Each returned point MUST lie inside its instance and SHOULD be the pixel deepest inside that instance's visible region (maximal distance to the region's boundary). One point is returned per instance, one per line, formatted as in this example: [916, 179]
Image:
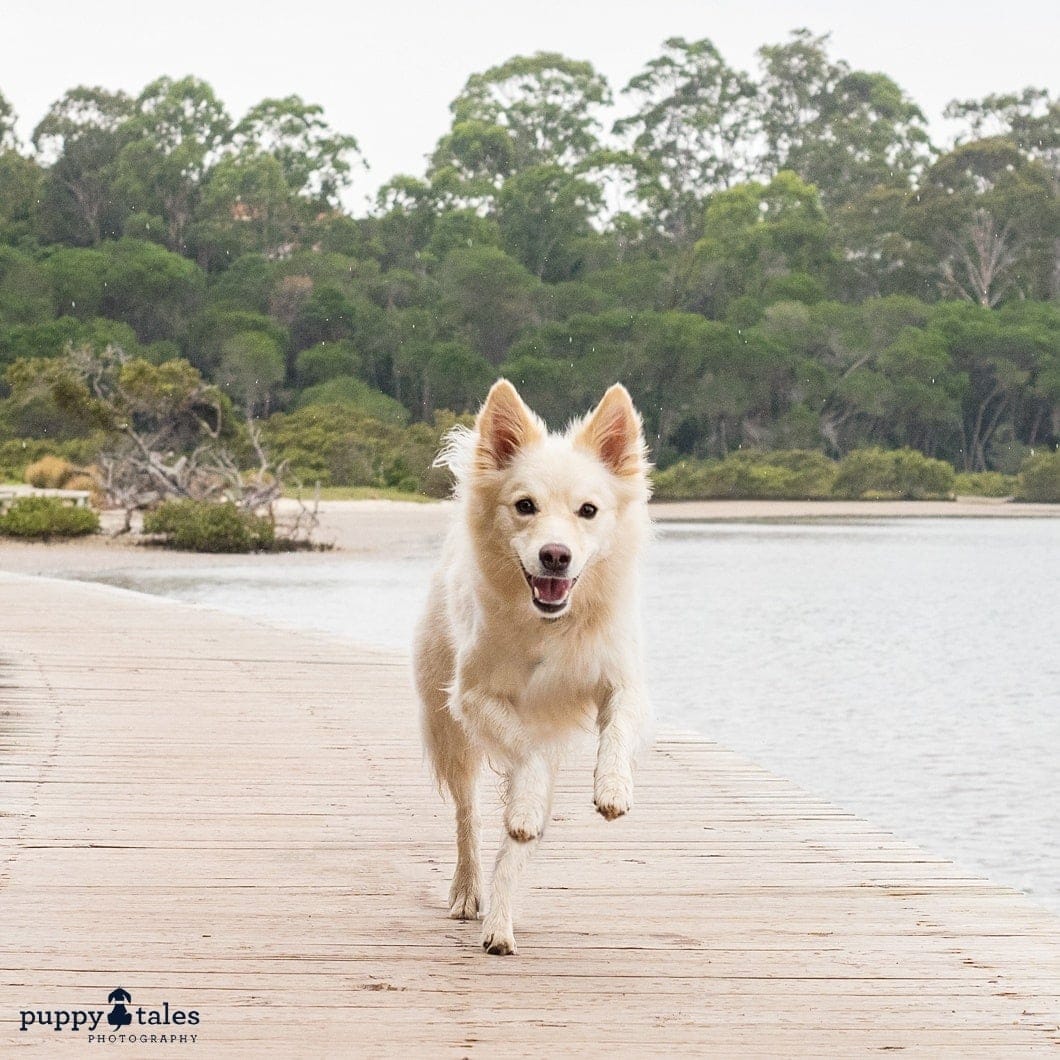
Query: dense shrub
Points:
[354, 395]
[336, 445]
[16, 454]
[81, 481]
[328, 360]
[47, 517]
[898, 473]
[1039, 478]
[801, 474]
[787, 474]
[50, 472]
[204, 526]
[985, 484]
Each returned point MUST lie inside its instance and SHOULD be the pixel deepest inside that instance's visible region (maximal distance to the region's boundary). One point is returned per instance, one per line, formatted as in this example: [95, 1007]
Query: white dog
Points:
[532, 627]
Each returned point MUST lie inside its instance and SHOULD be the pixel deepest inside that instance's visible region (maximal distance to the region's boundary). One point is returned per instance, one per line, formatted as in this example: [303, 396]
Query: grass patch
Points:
[357, 493]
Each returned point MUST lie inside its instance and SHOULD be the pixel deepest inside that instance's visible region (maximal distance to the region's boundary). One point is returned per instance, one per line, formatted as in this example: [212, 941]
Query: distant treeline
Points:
[770, 260]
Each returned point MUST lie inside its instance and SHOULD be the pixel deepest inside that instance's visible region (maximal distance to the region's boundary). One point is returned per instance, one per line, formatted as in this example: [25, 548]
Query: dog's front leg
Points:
[622, 720]
[528, 797]
[527, 805]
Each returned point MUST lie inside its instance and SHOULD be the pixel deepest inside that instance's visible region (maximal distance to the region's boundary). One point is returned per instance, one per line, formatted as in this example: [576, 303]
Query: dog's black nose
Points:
[555, 558]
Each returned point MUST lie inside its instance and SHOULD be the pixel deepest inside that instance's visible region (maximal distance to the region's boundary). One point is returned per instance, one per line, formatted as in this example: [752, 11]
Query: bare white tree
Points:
[980, 266]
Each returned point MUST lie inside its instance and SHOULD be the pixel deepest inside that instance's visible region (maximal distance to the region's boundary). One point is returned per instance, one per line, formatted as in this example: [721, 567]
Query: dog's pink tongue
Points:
[551, 590]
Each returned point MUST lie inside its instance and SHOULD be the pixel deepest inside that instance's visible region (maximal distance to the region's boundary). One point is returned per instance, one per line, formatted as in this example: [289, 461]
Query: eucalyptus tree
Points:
[846, 131]
[487, 298]
[179, 131]
[244, 206]
[21, 189]
[79, 140]
[1031, 120]
[317, 162]
[547, 106]
[691, 130]
[543, 215]
[8, 136]
[763, 243]
[992, 216]
[251, 371]
[541, 110]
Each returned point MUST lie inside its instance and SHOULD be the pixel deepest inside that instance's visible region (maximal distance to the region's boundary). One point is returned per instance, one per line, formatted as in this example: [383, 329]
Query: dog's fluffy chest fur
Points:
[549, 676]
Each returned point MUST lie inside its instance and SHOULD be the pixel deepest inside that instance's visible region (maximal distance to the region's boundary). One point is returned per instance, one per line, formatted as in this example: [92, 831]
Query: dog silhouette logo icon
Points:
[119, 1016]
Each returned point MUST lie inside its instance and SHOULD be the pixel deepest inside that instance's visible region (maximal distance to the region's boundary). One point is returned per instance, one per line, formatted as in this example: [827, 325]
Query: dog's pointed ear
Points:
[504, 426]
[613, 432]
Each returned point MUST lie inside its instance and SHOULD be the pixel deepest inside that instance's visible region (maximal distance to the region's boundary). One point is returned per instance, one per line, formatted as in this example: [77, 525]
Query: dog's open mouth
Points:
[550, 594]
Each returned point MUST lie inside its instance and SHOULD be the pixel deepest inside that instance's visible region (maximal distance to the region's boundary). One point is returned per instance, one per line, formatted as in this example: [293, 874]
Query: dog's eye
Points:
[525, 506]
[587, 511]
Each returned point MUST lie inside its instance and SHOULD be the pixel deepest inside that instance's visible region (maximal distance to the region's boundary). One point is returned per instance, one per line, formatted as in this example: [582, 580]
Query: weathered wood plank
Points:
[236, 819]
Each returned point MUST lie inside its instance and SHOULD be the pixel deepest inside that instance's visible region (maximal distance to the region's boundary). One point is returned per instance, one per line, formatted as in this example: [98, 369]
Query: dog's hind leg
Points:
[456, 763]
[465, 894]
[455, 760]
[527, 805]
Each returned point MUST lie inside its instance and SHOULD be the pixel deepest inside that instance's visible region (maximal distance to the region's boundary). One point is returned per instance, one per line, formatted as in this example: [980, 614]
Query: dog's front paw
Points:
[498, 939]
[613, 796]
[523, 825]
[464, 899]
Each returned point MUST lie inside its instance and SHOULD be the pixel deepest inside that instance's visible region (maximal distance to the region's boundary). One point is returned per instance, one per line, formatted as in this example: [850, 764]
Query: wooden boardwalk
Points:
[235, 819]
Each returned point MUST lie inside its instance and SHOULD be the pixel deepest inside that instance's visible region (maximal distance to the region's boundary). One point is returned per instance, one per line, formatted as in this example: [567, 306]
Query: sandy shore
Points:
[396, 529]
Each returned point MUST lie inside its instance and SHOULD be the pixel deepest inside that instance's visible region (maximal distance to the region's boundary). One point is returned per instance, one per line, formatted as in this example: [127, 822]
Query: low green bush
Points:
[42, 518]
[899, 473]
[785, 474]
[205, 526]
[804, 474]
[985, 484]
[1039, 478]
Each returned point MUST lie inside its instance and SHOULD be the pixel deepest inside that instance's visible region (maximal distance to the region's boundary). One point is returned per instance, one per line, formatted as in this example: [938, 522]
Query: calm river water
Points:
[906, 669]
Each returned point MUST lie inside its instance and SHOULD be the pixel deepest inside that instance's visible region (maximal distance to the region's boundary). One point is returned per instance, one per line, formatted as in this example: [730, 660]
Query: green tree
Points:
[8, 137]
[25, 291]
[154, 291]
[992, 217]
[21, 181]
[81, 138]
[211, 329]
[845, 131]
[325, 361]
[1029, 118]
[488, 297]
[79, 279]
[998, 362]
[178, 131]
[691, 130]
[543, 215]
[245, 205]
[251, 370]
[537, 110]
[316, 161]
[764, 243]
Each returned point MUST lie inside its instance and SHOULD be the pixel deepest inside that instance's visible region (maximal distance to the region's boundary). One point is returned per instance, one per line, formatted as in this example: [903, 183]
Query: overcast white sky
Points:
[386, 72]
